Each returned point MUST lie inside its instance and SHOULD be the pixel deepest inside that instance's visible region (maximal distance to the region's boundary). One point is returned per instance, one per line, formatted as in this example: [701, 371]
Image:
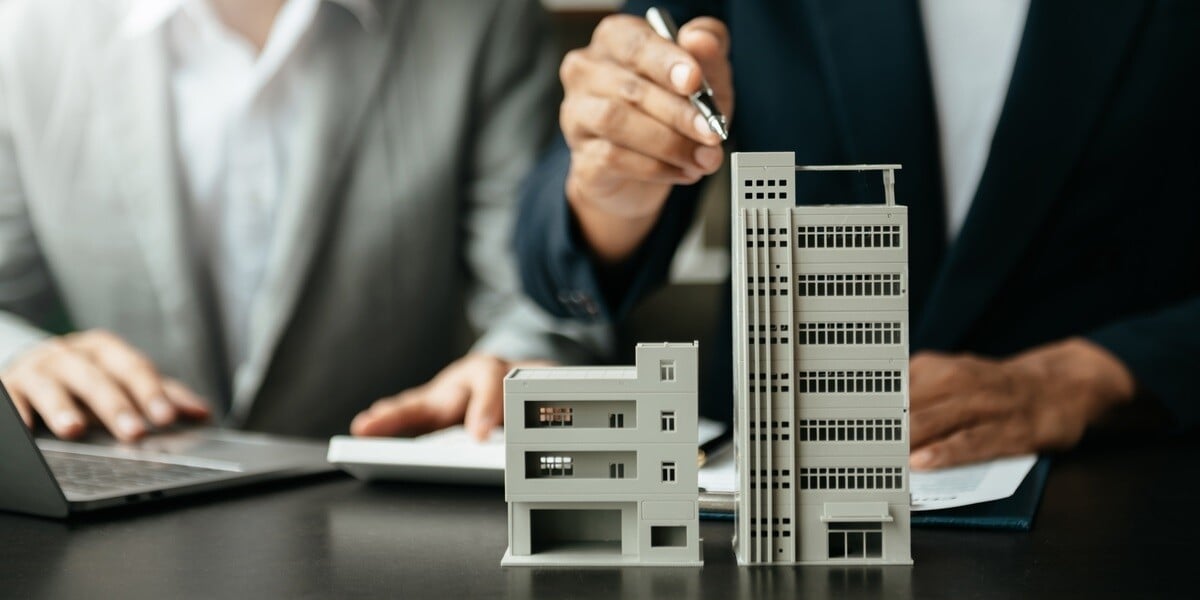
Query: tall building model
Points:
[820, 330]
[601, 462]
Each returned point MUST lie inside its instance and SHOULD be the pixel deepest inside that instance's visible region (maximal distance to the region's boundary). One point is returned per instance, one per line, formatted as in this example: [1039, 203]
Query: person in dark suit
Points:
[1049, 153]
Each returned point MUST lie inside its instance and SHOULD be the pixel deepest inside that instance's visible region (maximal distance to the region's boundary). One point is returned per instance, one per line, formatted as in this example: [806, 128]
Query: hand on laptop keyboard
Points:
[62, 378]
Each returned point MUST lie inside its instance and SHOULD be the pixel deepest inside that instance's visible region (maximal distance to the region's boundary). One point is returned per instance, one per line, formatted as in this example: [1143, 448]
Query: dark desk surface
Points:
[1119, 523]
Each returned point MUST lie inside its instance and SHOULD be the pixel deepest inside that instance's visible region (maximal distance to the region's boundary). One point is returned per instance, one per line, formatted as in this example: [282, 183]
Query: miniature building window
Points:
[776, 527]
[668, 536]
[616, 471]
[848, 236]
[774, 329]
[848, 382]
[616, 420]
[848, 333]
[856, 540]
[775, 290]
[778, 479]
[555, 416]
[850, 430]
[848, 284]
[778, 382]
[668, 472]
[556, 466]
[667, 420]
[666, 370]
[851, 478]
[777, 431]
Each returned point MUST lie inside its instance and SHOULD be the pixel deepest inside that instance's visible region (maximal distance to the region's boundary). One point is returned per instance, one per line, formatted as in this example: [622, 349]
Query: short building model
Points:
[601, 462]
[820, 370]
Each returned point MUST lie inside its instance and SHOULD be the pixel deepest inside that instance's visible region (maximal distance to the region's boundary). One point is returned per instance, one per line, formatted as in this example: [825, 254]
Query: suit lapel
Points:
[1069, 59]
[343, 74]
[133, 92]
[874, 63]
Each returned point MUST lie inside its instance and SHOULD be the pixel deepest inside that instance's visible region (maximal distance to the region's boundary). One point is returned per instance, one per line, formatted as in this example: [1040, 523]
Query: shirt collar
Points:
[145, 16]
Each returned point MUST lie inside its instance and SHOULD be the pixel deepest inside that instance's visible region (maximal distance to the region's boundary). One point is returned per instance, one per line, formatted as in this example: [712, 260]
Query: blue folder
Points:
[1014, 513]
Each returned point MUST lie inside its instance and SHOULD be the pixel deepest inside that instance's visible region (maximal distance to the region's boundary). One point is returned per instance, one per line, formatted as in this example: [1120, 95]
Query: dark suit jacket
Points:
[1086, 220]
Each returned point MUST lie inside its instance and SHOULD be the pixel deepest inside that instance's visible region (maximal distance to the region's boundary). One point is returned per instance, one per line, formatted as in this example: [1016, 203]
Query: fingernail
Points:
[129, 425]
[921, 459]
[707, 157]
[680, 74]
[701, 126]
[161, 412]
[67, 422]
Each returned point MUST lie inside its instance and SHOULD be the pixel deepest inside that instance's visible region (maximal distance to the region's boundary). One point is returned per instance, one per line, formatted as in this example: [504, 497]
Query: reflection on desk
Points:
[1114, 522]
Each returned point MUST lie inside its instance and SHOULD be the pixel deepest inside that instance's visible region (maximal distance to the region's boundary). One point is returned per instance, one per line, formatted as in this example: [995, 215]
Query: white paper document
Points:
[451, 455]
[931, 490]
[970, 484]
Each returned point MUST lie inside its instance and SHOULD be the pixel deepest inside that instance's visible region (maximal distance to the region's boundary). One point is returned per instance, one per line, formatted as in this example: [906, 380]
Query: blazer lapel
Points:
[877, 75]
[343, 75]
[133, 90]
[1069, 59]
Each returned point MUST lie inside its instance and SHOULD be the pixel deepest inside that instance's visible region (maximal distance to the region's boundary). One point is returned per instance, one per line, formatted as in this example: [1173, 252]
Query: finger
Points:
[707, 40]
[629, 41]
[585, 75]
[189, 403]
[958, 412]
[983, 442]
[132, 370]
[412, 413]
[96, 389]
[615, 120]
[54, 403]
[599, 160]
[485, 407]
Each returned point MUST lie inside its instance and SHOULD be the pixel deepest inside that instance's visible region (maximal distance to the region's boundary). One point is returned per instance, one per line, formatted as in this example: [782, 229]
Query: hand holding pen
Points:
[639, 119]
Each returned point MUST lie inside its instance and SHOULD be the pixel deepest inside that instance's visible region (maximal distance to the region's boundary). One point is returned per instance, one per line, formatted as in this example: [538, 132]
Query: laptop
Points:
[56, 478]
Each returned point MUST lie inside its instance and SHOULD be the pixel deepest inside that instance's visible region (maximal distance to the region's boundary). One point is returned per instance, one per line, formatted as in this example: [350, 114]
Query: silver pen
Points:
[664, 25]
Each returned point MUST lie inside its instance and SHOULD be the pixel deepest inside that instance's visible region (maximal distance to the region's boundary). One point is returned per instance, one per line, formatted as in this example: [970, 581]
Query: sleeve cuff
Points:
[1160, 366]
[17, 337]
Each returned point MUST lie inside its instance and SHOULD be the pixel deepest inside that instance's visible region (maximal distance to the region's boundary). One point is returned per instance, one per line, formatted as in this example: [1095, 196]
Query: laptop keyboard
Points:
[83, 474]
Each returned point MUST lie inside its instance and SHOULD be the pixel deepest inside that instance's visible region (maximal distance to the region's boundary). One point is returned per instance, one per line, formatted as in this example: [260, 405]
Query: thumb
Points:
[707, 39]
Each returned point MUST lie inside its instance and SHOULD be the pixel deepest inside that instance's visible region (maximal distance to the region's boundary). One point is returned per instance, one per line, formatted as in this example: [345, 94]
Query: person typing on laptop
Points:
[271, 212]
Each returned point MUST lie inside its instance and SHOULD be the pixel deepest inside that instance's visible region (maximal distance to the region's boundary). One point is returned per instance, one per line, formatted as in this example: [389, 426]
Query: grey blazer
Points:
[392, 257]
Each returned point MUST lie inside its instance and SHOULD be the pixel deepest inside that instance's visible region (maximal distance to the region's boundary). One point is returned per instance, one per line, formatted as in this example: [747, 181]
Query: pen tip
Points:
[718, 127]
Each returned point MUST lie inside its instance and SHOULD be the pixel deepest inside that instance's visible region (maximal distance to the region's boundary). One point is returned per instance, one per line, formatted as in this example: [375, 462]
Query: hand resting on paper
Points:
[967, 408]
[469, 391]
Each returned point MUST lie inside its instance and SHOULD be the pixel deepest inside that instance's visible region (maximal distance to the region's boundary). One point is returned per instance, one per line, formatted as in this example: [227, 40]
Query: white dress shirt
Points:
[972, 48]
[235, 111]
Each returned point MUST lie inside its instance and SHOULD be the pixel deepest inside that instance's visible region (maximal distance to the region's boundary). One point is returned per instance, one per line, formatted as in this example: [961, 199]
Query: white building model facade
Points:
[601, 463]
[820, 333]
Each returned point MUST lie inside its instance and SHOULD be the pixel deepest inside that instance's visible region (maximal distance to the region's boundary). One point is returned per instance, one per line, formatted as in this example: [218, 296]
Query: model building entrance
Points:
[575, 530]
